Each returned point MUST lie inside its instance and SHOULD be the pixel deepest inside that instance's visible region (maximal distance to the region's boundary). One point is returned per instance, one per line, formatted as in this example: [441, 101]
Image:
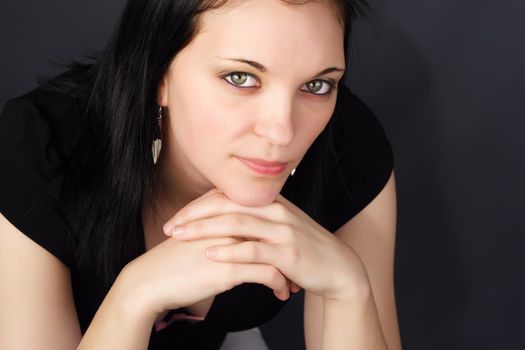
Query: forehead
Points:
[273, 32]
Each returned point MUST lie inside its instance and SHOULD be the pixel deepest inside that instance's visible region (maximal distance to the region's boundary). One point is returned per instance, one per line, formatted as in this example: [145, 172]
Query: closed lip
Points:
[263, 162]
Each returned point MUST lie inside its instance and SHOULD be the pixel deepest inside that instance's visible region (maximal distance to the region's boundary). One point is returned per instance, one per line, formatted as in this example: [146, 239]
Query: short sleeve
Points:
[31, 182]
[364, 159]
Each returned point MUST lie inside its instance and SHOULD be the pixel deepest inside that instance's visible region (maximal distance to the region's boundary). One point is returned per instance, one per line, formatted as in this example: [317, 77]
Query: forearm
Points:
[352, 324]
[120, 323]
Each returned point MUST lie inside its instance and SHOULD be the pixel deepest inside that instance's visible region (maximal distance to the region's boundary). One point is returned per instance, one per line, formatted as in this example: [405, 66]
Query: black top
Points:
[40, 142]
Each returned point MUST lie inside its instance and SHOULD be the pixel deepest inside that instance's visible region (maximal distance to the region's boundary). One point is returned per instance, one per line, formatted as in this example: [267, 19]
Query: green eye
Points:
[316, 86]
[239, 78]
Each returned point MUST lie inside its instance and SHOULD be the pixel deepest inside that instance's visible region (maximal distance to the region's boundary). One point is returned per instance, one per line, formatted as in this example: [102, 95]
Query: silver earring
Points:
[293, 172]
[157, 143]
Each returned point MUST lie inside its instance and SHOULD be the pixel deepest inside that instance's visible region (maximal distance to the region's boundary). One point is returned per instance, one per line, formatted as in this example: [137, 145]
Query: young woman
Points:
[204, 127]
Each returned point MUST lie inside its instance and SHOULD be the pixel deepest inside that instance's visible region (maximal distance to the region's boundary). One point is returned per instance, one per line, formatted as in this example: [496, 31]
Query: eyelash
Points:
[330, 84]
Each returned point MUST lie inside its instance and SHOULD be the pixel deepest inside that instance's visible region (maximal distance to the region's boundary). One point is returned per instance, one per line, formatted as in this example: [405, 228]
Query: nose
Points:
[275, 123]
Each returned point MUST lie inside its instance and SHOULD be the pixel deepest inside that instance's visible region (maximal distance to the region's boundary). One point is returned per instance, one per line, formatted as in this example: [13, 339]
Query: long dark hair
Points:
[118, 90]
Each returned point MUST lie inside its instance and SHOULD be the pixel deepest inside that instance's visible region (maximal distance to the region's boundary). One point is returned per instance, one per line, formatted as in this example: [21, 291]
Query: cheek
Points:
[203, 126]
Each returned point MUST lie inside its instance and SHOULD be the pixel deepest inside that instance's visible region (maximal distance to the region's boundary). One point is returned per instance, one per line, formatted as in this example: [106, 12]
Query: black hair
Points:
[118, 89]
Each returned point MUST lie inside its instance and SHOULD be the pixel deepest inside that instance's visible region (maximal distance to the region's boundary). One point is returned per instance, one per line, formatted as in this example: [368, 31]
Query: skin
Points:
[202, 140]
[267, 115]
[263, 238]
[271, 116]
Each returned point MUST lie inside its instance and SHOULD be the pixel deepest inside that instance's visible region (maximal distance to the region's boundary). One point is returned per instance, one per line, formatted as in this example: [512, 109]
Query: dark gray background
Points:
[446, 79]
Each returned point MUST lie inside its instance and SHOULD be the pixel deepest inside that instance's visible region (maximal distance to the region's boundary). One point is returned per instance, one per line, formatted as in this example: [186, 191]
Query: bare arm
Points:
[37, 305]
[121, 321]
[35, 296]
[371, 234]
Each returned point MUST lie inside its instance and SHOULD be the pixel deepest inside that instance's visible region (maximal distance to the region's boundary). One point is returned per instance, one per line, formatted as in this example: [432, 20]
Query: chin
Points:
[252, 197]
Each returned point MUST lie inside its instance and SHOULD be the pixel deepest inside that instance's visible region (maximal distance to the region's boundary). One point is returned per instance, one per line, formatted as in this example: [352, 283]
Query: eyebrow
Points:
[263, 69]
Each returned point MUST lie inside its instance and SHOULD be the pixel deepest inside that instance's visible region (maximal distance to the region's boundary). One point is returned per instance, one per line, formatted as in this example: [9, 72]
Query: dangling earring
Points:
[157, 143]
[293, 172]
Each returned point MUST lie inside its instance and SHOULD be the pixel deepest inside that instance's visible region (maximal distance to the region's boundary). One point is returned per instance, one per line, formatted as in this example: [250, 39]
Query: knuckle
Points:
[232, 276]
[227, 240]
[216, 206]
[295, 253]
[219, 194]
[288, 234]
[234, 240]
[252, 249]
[237, 219]
[214, 190]
[194, 226]
[291, 254]
[226, 284]
[279, 211]
[219, 199]
[274, 276]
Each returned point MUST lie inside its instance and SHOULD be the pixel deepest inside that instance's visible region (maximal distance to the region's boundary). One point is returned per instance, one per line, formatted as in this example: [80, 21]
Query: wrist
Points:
[121, 322]
[362, 326]
[133, 299]
[356, 293]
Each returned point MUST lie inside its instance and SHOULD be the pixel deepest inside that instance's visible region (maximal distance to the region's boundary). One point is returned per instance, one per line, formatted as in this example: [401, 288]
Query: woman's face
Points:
[220, 109]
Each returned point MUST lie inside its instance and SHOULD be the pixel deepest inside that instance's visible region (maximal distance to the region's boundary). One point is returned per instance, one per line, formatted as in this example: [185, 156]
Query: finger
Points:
[259, 273]
[294, 288]
[234, 225]
[167, 225]
[217, 203]
[247, 252]
[280, 199]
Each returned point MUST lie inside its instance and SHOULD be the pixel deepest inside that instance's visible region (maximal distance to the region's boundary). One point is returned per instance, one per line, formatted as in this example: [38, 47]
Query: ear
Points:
[162, 92]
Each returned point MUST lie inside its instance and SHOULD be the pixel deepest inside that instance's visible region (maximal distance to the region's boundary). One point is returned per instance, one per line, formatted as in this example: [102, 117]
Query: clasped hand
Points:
[279, 234]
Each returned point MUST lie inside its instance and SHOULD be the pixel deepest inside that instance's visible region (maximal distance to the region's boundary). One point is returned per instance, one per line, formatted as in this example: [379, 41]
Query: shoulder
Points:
[40, 110]
[39, 133]
[363, 158]
[40, 120]
[355, 126]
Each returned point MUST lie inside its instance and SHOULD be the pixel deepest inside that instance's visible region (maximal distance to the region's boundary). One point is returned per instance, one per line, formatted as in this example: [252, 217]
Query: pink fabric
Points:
[160, 325]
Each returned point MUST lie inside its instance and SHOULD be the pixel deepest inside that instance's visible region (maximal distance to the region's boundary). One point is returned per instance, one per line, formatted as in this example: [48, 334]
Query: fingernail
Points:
[212, 253]
[178, 230]
[167, 229]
